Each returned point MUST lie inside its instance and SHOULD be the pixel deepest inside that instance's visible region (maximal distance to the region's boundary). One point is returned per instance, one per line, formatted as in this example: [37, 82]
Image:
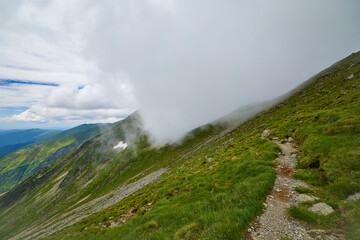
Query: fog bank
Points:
[182, 63]
[191, 62]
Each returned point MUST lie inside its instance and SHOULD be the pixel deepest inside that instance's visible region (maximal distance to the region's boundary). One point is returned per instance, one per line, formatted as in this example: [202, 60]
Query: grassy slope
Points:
[195, 202]
[201, 199]
[17, 166]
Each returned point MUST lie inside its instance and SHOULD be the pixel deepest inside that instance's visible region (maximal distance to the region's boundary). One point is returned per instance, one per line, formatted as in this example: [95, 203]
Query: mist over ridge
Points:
[193, 62]
[181, 63]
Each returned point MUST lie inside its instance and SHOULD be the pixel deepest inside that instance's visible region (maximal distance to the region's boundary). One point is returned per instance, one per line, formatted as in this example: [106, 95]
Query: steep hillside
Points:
[17, 166]
[211, 185]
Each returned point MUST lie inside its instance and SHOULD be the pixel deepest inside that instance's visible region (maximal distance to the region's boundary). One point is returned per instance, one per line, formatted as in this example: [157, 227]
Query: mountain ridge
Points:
[11, 140]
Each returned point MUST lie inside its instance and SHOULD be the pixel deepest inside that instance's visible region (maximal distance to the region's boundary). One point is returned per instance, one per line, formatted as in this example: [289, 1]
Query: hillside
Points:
[210, 185]
[11, 140]
[17, 166]
[19, 136]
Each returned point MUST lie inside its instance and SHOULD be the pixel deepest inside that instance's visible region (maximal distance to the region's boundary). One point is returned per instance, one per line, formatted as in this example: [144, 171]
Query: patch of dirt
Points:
[281, 194]
[285, 170]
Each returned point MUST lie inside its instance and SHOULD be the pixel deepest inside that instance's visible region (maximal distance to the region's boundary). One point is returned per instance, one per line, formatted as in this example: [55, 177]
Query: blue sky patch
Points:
[8, 82]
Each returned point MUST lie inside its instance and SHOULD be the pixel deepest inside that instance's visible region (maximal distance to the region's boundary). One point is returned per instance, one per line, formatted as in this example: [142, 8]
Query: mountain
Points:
[2, 131]
[11, 140]
[21, 136]
[210, 185]
[17, 166]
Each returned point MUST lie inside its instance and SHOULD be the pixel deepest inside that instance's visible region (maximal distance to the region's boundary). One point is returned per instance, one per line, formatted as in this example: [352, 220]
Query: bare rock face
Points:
[322, 209]
[354, 197]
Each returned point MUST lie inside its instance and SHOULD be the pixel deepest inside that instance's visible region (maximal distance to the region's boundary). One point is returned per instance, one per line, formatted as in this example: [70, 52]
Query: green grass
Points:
[303, 190]
[309, 177]
[210, 204]
[315, 220]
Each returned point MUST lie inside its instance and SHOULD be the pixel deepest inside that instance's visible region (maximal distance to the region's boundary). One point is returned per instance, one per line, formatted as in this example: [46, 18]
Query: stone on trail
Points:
[322, 208]
[304, 198]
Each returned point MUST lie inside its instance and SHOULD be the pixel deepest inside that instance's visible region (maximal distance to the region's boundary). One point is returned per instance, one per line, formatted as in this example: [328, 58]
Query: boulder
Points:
[291, 140]
[354, 197]
[322, 208]
[209, 159]
[350, 77]
[266, 133]
[304, 198]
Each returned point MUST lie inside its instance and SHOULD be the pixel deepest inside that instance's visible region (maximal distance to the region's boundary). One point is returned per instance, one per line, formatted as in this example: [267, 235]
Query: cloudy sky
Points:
[181, 62]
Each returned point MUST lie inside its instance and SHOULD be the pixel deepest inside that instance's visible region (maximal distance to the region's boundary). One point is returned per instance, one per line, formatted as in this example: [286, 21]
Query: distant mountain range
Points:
[11, 140]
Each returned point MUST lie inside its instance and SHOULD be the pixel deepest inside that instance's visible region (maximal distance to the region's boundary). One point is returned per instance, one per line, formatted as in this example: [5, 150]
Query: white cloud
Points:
[44, 42]
[40, 114]
[183, 63]
[18, 95]
[202, 59]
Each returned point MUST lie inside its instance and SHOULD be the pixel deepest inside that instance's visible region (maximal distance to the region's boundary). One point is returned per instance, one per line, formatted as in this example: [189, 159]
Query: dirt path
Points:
[275, 223]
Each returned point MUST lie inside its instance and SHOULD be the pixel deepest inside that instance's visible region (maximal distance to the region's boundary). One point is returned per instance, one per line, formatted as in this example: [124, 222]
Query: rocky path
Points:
[275, 223]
